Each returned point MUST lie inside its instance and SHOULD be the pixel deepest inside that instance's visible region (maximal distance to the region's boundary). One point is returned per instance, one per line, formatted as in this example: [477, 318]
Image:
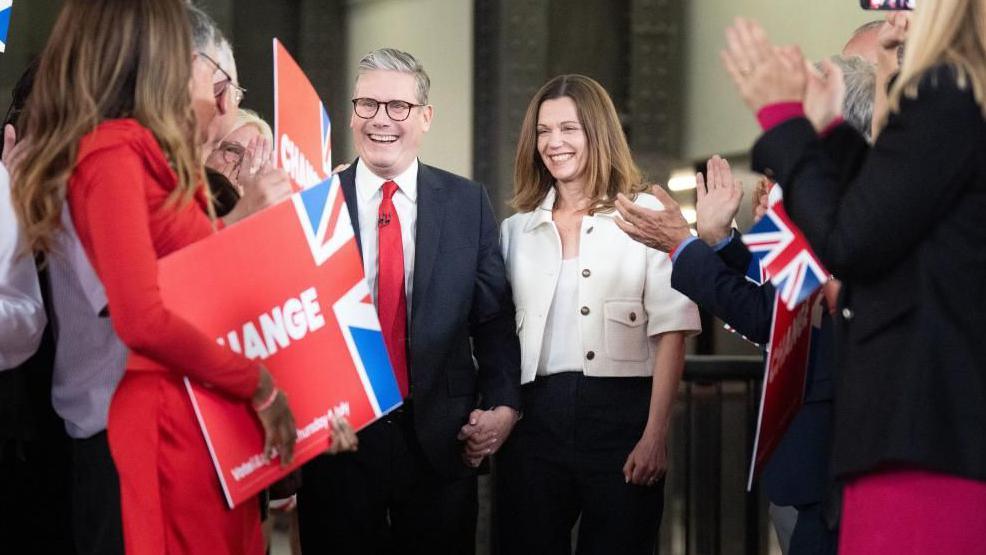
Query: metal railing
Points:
[707, 508]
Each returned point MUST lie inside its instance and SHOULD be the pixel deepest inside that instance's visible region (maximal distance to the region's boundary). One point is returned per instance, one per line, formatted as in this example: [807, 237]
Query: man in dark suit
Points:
[431, 253]
[711, 270]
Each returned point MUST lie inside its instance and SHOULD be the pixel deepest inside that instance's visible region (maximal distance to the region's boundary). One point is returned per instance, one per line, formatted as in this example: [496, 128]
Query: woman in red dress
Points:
[119, 108]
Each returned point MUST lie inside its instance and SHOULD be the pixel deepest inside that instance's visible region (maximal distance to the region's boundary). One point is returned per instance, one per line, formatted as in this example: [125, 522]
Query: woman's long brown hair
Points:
[106, 59]
[609, 165]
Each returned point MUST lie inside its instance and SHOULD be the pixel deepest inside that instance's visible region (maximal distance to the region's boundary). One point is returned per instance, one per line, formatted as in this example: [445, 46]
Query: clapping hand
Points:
[718, 201]
[764, 74]
[662, 229]
[824, 94]
[263, 185]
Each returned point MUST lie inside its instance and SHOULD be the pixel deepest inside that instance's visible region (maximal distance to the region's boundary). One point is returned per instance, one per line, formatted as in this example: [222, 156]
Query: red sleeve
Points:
[772, 115]
[109, 204]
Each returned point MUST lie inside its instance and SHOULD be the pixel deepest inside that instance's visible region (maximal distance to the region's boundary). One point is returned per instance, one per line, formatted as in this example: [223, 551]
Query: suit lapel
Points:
[431, 213]
[347, 180]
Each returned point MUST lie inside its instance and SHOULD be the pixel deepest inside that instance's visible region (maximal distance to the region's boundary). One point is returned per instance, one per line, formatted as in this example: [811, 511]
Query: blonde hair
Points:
[246, 117]
[106, 59]
[609, 166]
[944, 31]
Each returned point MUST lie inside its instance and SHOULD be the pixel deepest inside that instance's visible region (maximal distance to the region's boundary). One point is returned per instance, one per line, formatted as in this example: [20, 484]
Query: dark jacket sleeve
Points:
[495, 343]
[735, 254]
[702, 276]
[910, 178]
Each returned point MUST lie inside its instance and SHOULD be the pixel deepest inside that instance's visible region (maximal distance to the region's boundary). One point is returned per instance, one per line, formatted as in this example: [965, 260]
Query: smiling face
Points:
[561, 139]
[388, 147]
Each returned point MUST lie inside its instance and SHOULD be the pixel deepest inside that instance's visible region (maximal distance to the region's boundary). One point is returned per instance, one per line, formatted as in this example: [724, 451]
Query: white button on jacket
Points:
[625, 294]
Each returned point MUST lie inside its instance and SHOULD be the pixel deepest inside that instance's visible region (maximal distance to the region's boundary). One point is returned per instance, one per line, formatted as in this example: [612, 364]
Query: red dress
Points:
[170, 495]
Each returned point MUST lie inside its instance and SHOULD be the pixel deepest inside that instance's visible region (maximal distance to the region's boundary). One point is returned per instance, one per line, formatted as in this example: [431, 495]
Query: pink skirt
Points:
[902, 512]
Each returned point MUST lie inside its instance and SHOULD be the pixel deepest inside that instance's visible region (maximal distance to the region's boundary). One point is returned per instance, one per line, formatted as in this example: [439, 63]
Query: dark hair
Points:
[18, 98]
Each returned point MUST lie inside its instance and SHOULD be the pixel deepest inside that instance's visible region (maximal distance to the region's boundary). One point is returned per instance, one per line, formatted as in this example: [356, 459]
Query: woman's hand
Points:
[263, 185]
[763, 74]
[648, 462]
[271, 406]
[824, 94]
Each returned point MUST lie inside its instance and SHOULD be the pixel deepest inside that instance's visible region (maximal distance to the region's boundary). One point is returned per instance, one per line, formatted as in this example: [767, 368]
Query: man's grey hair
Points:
[391, 59]
[205, 34]
[857, 106]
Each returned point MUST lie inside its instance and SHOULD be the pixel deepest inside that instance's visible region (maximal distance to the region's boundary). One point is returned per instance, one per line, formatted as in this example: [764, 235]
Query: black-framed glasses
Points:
[219, 87]
[397, 110]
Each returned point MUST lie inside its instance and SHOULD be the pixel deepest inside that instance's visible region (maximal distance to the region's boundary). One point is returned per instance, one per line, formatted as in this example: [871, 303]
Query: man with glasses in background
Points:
[431, 253]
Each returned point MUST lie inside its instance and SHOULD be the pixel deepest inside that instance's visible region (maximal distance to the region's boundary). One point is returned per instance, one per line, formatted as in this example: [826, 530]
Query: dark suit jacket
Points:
[907, 238]
[461, 307]
[797, 473]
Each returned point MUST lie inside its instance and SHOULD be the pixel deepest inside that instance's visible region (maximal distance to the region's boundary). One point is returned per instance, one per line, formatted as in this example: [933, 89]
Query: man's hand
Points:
[891, 38]
[662, 229]
[485, 433]
[343, 437]
[824, 94]
[719, 197]
[763, 74]
[761, 199]
[648, 461]
[263, 185]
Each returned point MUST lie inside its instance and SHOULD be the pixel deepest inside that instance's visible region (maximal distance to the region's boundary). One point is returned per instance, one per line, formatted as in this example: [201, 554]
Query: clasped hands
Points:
[485, 432]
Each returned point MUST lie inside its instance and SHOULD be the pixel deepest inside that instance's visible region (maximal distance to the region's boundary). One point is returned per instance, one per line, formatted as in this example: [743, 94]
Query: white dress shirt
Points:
[22, 315]
[369, 192]
[89, 358]
[625, 297]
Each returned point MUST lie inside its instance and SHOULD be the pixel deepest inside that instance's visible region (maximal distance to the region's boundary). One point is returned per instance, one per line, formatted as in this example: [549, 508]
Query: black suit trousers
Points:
[564, 463]
[385, 498]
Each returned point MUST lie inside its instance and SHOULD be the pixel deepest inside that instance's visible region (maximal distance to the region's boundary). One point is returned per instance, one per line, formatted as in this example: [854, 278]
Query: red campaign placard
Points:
[302, 130]
[784, 376]
[284, 286]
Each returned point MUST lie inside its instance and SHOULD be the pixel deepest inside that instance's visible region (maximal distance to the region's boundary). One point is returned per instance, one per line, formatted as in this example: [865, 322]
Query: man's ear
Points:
[427, 113]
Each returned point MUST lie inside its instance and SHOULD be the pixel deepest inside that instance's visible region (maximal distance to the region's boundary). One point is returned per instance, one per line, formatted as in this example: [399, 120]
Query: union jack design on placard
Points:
[322, 212]
[5, 9]
[361, 329]
[785, 256]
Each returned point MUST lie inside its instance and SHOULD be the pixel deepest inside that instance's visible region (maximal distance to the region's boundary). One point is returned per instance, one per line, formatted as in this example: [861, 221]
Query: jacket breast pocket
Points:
[625, 330]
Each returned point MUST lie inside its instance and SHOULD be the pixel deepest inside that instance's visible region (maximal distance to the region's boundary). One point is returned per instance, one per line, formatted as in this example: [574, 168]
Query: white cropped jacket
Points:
[625, 294]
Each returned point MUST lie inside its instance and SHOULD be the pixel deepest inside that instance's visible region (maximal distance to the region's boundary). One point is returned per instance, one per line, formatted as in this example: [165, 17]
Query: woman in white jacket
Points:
[602, 337]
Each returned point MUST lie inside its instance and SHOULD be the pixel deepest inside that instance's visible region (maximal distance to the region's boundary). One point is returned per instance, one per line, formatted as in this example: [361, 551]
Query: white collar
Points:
[543, 213]
[368, 183]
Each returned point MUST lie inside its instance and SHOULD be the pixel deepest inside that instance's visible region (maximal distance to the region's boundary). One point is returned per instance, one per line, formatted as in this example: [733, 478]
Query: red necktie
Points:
[391, 296]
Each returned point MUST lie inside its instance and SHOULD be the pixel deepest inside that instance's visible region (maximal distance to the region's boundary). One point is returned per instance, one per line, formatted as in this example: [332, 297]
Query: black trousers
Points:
[811, 535]
[564, 460]
[35, 514]
[385, 498]
[96, 521]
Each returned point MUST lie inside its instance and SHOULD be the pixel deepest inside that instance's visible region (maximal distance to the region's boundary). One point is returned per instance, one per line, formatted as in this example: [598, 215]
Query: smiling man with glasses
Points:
[431, 255]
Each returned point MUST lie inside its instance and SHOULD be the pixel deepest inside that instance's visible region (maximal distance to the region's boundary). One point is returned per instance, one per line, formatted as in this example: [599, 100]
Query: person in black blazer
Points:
[905, 235]
[711, 271]
[411, 487]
